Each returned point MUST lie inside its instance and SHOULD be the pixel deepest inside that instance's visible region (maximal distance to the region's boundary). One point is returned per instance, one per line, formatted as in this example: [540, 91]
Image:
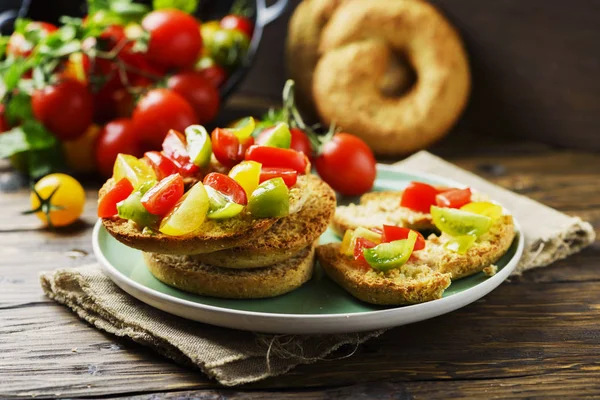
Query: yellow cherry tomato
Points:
[80, 153]
[59, 200]
[137, 171]
[247, 174]
[188, 214]
[494, 211]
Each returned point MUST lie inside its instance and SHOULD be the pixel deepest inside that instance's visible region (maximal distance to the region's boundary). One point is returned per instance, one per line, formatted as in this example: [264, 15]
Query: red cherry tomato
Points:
[347, 164]
[278, 158]
[301, 143]
[359, 248]
[162, 165]
[175, 40]
[454, 198]
[288, 175]
[215, 74]
[391, 233]
[18, 46]
[116, 137]
[157, 112]
[163, 196]
[199, 92]
[65, 108]
[175, 148]
[419, 196]
[227, 148]
[227, 186]
[4, 126]
[107, 204]
[239, 23]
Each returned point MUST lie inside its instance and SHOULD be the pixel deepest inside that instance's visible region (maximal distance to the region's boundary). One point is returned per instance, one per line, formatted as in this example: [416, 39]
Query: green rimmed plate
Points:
[320, 306]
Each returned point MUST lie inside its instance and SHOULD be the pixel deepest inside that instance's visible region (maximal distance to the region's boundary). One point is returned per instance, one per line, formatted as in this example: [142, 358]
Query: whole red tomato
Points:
[175, 40]
[199, 92]
[300, 142]
[18, 46]
[157, 112]
[347, 164]
[65, 108]
[116, 137]
[239, 23]
[215, 74]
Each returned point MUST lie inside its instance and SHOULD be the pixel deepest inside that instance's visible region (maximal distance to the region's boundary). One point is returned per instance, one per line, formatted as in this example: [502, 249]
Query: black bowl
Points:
[50, 11]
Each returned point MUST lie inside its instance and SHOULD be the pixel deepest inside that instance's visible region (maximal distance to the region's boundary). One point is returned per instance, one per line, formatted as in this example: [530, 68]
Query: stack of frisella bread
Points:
[242, 257]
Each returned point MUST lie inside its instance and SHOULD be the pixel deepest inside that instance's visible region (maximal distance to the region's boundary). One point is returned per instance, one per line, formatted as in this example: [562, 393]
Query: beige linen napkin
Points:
[235, 357]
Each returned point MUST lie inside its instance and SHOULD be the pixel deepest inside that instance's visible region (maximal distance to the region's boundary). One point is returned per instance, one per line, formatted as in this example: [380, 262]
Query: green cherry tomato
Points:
[270, 199]
[456, 222]
[132, 209]
[386, 256]
[460, 244]
[228, 47]
[278, 136]
[221, 207]
[198, 145]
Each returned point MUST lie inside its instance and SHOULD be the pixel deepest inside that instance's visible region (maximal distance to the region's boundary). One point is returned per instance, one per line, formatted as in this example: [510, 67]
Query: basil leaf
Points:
[188, 6]
[30, 136]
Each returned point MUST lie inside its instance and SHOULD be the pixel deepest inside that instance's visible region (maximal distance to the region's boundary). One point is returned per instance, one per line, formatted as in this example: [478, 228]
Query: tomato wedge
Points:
[359, 249]
[454, 198]
[163, 196]
[188, 214]
[273, 157]
[288, 175]
[175, 148]
[227, 186]
[107, 205]
[162, 165]
[391, 233]
[228, 149]
[419, 196]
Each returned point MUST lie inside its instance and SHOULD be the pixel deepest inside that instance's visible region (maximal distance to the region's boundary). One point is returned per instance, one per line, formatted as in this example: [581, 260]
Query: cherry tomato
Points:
[163, 196]
[239, 23]
[227, 186]
[77, 67]
[162, 165]
[391, 233]
[157, 112]
[116, 137]
[359, 247]
[455, 198]
[199, 92]
[227, 148]
[107, 204]
[68, 199]
[80, 154]
[65, 108]
[301, 143]
[175, 148]
[288, 175]
[18, 46]
[347, 164]
[175, 40]
[419, 197]
[279, 158]
[4, 126]
[215, 74]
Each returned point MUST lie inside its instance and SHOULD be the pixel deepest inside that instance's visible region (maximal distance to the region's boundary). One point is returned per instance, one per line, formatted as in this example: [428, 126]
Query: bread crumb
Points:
[490, 270]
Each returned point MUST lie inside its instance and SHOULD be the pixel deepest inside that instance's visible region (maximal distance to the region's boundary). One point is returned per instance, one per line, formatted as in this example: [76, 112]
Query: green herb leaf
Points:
[94, 6]
[128, 10]
[30, 136]
[188, 6]
[21, 25]
[18, 108]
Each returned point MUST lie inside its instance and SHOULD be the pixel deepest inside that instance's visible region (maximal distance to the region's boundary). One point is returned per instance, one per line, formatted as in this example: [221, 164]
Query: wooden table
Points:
[536, 335]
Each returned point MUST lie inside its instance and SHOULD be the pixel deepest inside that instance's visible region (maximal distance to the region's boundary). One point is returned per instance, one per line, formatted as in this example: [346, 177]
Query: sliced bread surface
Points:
[410, 284]
[208, 280]
[213, 235]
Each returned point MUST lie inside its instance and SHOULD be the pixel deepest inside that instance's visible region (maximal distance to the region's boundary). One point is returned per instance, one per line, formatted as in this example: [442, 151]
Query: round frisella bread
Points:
[207, 280]
[357, 46]
[213, 235]
[285, 238]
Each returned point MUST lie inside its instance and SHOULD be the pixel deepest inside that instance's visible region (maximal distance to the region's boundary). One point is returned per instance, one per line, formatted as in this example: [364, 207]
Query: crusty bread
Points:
[487, 250]
[213, 235]
[410, 284]
[229, 283]
[284, 239]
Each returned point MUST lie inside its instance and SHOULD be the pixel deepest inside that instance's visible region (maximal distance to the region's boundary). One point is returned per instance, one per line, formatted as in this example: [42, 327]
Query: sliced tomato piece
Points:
[272, 157]
[378, 231]
[162, 165]
[228, 149]
[175, 147]
[227, 186]
[188, 214]
[163, 196]
[359, 248]
[288, 175]
[418, 196]
[391, 233]
[107, 205]
[247, 174]
[454, 198]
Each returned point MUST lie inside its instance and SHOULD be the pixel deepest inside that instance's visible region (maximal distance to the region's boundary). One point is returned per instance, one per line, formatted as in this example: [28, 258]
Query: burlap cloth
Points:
[235, 357]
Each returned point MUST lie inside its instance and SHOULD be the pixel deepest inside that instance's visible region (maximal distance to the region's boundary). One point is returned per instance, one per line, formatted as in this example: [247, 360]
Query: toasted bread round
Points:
[213, 235]
[284, 239]
[229, 283]
[410, 284]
